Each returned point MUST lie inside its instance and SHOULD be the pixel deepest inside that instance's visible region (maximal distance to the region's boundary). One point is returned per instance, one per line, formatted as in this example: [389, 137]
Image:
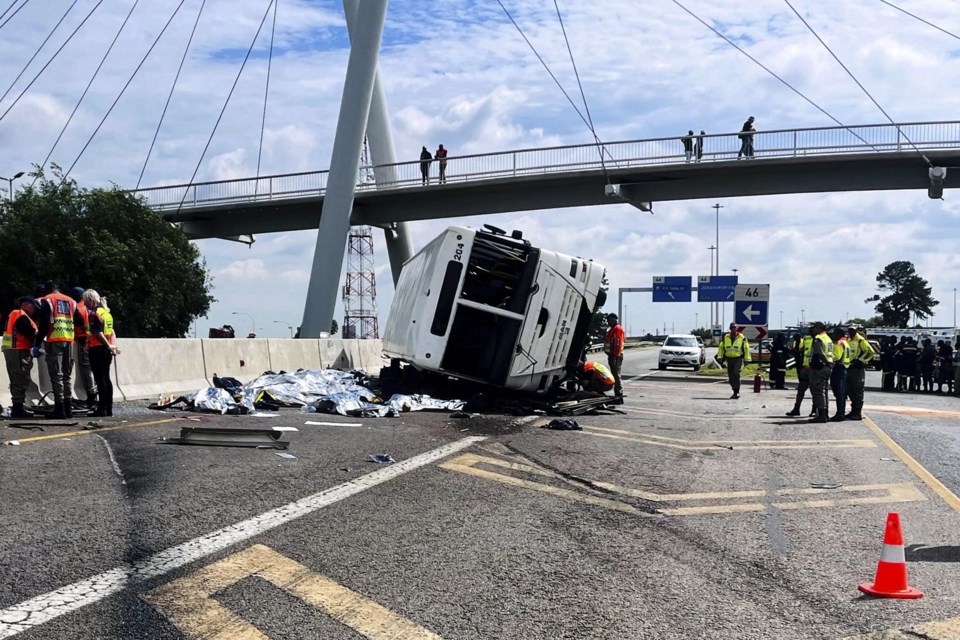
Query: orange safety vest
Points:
[61, 317]
[13, 340]
[613, 342]
[599, 373]
[83, 330]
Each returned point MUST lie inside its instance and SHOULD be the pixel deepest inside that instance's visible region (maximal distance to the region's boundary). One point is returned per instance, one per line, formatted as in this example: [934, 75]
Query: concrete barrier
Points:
[240, 358]
[290, 355]
[149, 368]
[332, 355]
[33, 391]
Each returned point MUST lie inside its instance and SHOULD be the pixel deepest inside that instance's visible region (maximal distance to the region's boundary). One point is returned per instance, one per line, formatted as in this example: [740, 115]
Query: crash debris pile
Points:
[329, 391]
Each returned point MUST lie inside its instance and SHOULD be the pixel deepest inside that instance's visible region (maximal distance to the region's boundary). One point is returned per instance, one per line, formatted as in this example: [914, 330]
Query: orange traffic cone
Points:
[891, 580]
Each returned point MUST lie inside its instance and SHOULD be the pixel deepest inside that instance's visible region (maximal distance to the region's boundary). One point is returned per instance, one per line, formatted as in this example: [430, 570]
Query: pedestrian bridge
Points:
[853, 158]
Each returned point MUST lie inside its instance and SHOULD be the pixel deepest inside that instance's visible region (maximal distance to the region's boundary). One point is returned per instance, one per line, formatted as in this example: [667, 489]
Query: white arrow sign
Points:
[670, 293]
[749, 312]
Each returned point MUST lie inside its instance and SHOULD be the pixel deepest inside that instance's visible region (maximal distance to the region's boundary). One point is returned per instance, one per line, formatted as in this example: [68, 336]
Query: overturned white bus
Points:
[484, 306]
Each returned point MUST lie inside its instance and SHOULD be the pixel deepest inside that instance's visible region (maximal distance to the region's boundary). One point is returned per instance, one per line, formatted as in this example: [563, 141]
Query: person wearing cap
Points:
[55, 324]
[802, 346]
[861, 353]
[102, 349]
[613, 347]
[18, 339]
[838, 376]
[82, 351]
[820, 361]
[734, 350]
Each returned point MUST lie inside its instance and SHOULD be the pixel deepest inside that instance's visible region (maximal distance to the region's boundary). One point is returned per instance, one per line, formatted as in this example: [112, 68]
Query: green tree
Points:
[907, 295]
[334, 327]
[105, 239]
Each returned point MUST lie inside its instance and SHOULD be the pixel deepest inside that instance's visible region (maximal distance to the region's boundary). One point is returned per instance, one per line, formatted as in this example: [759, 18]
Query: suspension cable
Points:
[225, 103]
[583, 95]
[89, 84]
[266, 93]
[170, 95]
[124, 89]
[14, 13]
[52, 58]
[7, 10]
[927, 22]
[771, 72]
[37, 52]
[859, 84]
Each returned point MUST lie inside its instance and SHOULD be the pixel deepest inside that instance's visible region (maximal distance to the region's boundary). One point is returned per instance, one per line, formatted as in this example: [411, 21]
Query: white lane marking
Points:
[44, 608]
[113, 460]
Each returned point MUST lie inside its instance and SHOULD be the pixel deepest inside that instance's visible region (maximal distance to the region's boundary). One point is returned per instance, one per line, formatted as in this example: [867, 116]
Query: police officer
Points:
[838, 377]
[734, 350]
[861, 354]
[778, 361]
[820, 362]
[18, 339]
[56, 321]
[801, 349]
[613, 347]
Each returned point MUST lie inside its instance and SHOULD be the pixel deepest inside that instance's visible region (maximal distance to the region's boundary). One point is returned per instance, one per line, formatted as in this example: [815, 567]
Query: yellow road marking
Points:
[66, 434]
[699, 445]
[912, 411]
[891, 493]
[189, 603]
[948, 496]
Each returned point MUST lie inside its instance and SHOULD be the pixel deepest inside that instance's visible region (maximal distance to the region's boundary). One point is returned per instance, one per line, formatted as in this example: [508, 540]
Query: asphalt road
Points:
[688, 515]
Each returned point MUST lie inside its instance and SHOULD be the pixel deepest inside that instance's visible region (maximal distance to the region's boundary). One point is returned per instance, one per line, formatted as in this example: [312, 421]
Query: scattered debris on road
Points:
[380, 458]
[220, 437]
[287, 456]
[563, 425]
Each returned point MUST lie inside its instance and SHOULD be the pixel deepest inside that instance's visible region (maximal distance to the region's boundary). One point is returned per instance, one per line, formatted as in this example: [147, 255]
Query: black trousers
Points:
[100, 360]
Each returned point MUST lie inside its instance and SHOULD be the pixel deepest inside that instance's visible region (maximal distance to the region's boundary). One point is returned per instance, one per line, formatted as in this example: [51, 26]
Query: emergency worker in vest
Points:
[55, 324]
[821, 367]
[801, 347]
[613, 347]
[18, 350]
[734, 351]
[102, 349]
[779, 355]
[861, 354]
[81, 352]
[838, 377]
[596, 377]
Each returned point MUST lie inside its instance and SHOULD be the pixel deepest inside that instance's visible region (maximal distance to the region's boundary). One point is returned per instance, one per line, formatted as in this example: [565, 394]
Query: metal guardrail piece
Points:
[220, 437]
[784, 143]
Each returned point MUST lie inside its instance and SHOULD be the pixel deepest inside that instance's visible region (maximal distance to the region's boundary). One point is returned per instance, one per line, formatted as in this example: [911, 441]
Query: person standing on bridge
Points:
[698, 145]
[425, 159]
[613, 347]
[687, 141]
[734, 350]
[746, 139]
[18, 352]
[441, 156]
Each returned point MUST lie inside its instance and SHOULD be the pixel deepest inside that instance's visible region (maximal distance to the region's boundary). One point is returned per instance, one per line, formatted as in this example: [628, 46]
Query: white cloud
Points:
[244, 270]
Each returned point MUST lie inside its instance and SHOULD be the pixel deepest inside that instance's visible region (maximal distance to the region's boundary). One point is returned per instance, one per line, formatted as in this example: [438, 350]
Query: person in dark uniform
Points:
[425, 158]
[801, 348]
[779, 355]
[928, 358]
[945, 354]
[18, 352]
[888, 365]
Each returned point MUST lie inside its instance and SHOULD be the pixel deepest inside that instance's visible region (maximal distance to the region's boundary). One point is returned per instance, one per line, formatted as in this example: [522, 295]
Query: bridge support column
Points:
[383, 155]
[344, 165]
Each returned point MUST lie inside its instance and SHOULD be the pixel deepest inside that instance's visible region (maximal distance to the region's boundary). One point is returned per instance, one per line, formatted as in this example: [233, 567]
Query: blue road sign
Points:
[750, 312]
[716, 288]
[672, 288]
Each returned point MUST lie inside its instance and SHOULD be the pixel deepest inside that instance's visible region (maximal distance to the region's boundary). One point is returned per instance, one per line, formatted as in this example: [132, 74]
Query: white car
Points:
[680, 350]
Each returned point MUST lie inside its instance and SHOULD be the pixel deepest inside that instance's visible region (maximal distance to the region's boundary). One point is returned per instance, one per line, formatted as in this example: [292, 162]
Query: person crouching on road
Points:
[18, 352]
[821, 367]
[734, 350]
[596, 377]
[102, 349]
[613, 347]
[838, 377]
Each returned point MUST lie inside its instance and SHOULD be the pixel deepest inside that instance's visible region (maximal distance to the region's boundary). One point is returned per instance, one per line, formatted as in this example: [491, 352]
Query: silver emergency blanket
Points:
[354, 404]
[306, 386]
[217, 401]
[418, 402]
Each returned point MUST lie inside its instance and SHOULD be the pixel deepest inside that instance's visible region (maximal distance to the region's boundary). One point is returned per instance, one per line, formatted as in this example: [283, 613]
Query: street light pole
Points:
[713, 305]
[253, 323]
[16, 176]
[954, 307]
[289, 326]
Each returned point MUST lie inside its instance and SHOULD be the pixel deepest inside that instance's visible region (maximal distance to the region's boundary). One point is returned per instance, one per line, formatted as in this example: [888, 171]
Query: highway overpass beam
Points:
[344, 164]
[383, 155]
[629, 193]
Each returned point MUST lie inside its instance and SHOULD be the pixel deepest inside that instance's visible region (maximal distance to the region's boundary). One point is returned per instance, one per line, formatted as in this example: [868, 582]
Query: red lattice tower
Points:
[360, 290]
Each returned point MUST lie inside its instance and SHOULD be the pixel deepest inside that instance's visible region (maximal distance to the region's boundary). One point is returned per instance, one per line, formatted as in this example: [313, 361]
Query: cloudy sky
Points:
[457, 72]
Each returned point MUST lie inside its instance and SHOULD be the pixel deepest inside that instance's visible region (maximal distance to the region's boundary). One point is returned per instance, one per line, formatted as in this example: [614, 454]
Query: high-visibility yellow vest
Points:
[841, 352]
[14, 340]
[106, 318]
[61, 317]
[736, 348]
[861, 349]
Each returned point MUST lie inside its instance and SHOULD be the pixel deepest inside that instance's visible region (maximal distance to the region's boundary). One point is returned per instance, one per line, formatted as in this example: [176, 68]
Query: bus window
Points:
[448, 293]
[499, 273]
